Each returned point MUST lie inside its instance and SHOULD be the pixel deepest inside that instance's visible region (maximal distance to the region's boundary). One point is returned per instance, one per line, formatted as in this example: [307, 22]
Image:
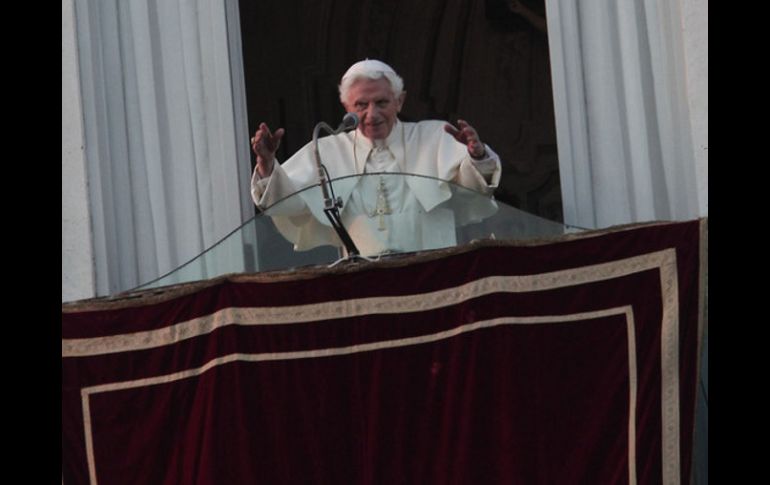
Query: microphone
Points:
[349, 122]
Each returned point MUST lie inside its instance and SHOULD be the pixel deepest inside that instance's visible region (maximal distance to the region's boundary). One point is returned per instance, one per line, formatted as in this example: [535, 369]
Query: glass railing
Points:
[384, 213]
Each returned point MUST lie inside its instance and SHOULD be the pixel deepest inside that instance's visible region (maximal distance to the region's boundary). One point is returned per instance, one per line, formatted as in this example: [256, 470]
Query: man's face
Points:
[376, 106]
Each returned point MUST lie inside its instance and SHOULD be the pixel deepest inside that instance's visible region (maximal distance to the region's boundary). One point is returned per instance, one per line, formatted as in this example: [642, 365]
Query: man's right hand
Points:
[264, 144]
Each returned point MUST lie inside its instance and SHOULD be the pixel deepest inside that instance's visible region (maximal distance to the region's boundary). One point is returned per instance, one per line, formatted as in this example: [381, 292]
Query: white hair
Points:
[370, 69]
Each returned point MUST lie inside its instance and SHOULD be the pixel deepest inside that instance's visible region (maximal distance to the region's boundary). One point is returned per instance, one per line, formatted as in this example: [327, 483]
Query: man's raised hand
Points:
[264, 144]
[468, 136]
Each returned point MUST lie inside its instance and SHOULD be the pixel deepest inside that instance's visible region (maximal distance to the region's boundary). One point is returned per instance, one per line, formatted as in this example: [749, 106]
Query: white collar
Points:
[393, 143]
[368, 144]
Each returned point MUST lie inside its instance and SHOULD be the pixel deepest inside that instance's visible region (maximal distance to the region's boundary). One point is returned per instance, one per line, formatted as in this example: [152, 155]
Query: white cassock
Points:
[418, 211]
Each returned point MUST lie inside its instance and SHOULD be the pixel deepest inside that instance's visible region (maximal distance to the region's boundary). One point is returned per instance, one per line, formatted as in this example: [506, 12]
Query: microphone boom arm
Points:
[332, 205]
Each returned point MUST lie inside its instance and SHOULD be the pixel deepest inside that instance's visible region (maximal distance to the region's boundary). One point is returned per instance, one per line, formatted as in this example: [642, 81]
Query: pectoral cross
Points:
[382, 208]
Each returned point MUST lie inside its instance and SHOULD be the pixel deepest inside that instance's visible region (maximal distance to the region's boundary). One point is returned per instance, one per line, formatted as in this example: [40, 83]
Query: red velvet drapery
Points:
[559, 362]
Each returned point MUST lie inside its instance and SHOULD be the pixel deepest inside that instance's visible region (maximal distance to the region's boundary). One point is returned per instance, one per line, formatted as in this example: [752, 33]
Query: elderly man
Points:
[382, 213]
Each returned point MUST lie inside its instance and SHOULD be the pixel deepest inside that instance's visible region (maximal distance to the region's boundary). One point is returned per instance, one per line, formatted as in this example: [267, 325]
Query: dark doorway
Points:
[467, 59]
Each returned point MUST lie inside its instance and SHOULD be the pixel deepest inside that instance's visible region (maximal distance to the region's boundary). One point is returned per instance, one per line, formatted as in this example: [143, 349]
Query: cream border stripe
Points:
[632, 393]
[669, 361]
[87, 392]
[362, 306]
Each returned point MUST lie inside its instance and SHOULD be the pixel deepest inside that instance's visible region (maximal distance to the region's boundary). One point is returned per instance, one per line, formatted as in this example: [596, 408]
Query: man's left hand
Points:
[468, 136]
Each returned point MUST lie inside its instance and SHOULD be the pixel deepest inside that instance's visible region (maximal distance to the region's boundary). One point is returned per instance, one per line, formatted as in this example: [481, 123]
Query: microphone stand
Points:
[333, 204]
